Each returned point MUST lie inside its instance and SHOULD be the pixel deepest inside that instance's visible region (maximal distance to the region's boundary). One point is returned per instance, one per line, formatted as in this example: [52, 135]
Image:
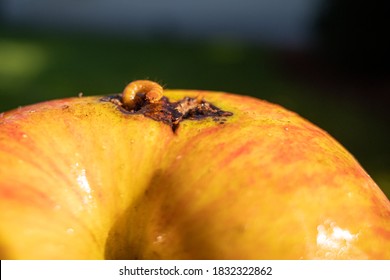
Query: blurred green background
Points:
[340, 82]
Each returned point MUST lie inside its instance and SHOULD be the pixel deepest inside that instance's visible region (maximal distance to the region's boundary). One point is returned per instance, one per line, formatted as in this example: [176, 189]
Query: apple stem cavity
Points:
[146, 97]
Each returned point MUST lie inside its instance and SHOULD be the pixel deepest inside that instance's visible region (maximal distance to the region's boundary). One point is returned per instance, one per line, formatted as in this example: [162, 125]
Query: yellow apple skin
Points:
[80, 179]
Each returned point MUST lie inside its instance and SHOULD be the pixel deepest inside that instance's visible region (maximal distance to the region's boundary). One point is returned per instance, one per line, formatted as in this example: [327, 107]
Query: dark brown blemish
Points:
[171, 113]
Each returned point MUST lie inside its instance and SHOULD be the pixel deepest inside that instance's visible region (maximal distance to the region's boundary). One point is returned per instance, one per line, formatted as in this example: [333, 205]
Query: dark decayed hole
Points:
[172, 113]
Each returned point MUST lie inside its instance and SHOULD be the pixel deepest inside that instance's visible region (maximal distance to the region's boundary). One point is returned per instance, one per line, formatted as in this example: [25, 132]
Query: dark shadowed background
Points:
[327, 60]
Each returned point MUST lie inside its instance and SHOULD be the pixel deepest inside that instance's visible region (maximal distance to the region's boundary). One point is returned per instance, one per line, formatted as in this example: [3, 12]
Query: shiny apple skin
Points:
[68, 169]
[79, 179]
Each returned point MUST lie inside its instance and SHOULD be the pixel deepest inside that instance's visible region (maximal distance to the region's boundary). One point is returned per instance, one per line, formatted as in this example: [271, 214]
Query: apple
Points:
[181, 174]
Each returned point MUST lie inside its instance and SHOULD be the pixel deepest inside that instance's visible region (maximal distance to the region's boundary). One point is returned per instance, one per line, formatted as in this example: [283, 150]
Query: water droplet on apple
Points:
[70, 231]
[159, 238]
[80, 175]
[82, 180]
[334, 239]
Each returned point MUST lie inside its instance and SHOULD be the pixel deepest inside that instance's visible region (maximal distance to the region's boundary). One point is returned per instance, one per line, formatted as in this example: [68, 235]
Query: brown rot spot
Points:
[161, 109]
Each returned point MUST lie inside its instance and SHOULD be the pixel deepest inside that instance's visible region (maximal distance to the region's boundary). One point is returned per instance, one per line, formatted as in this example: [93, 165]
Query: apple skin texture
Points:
[80, 179]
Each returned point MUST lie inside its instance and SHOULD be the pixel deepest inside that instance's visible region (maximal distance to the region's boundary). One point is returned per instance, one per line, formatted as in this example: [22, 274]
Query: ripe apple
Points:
[191, 175]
